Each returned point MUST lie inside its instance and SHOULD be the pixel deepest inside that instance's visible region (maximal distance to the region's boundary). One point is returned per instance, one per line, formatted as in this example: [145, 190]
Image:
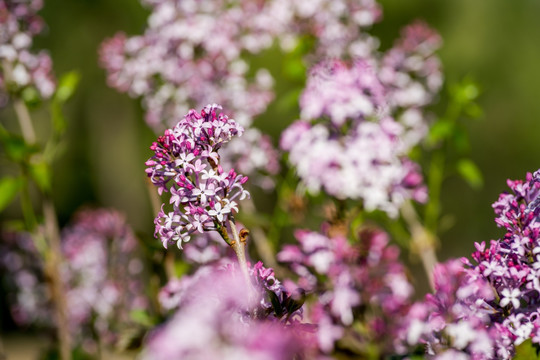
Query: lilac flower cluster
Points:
[102, 272]
[220, 316]
[186, 163]
[511, 264]
[336, 25]
[19, 67]
[26, 291]
[351, 282]
[359, 121]
[193, 51]
[101, 275]
[455, 322]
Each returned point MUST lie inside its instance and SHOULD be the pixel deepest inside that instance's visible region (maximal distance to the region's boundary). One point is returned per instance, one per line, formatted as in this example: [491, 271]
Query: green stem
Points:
[49, 242]
[436, 177]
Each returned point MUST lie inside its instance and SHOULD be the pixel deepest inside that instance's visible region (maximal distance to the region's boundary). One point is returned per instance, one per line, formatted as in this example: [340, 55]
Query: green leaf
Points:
[181, 268]
[526, 351]
[65, 90]
[140, 316]
[31, 97]
[466, 91]
[470, 173]
[440, 130]
[294, 68]
[473, 110]
[16, 148]
[41, 174]
[66, 86]
[9, 187]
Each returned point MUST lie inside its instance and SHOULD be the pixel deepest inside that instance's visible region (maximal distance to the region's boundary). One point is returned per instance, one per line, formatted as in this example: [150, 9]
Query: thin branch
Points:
[423, 241]
[239, 246]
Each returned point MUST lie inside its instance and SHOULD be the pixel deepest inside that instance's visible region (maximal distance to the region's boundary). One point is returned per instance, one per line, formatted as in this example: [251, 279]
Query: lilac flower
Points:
[26, 293]
[511, 264]
[102, 276]
[351, 282]
[217, 319]
[186, 162]
[455, 321]
[19, 67]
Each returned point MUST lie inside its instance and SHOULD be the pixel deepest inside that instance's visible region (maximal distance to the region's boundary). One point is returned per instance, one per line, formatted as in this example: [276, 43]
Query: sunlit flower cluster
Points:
[186, 163]
[19, 67]
[351, 282]
[359, 120]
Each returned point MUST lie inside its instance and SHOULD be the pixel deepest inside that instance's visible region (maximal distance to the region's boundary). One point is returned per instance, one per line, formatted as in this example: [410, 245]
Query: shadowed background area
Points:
[492, 41]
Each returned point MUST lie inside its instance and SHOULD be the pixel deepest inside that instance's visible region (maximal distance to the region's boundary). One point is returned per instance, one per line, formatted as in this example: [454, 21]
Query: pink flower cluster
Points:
[101, 273]
[19, 67]
[360, 286]
[511, 264]
[359, 121]
[186, 163]
[193, 51]
[21, 268]
[455, 322]
[220, 316]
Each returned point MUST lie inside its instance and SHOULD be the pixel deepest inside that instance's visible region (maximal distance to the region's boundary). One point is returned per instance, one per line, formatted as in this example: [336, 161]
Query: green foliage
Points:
[9, 187]
[527, 351]
[66, 88]
[470, 173]
[16, 149]
[140, 316]
[41, 174]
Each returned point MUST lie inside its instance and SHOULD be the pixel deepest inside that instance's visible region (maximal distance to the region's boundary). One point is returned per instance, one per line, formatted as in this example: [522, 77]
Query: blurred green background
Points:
[496, 42]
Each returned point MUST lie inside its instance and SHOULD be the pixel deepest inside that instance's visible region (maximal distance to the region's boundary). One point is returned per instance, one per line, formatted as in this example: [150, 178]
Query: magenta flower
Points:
[186, 163]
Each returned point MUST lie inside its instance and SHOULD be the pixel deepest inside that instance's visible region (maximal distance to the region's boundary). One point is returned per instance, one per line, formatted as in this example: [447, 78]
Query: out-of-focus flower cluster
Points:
[220, 316]
[362, 292]
[455, 322]
[186, 163]
[101, 273]
[361, 118]
[19, 67]
[193, 51]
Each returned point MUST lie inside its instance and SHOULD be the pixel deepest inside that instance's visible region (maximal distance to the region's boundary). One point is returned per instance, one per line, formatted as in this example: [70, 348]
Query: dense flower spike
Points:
[350, 280]
[217, 320]
[455, 321]
[19, 67]
[101, 272]
[511, 265]
[186, 163]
